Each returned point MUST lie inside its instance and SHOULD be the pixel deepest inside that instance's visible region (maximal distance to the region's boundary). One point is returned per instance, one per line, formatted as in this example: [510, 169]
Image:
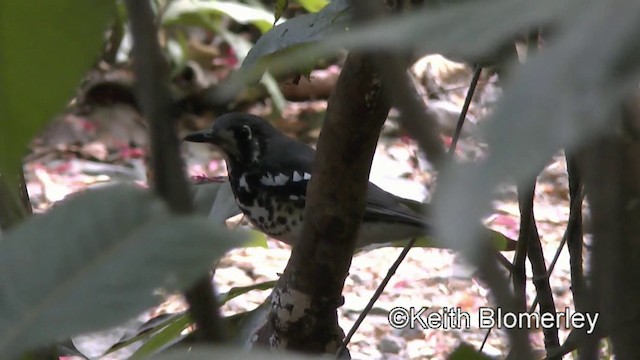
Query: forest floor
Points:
[83, 150]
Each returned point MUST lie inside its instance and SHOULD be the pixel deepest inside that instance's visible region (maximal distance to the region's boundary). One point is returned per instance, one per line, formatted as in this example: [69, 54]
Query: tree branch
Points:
[170, 183]
[538, 265]
[303, 315]
[612, 182]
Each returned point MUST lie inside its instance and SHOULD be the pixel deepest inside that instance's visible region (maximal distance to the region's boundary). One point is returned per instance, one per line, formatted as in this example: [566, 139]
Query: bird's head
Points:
[241, 137]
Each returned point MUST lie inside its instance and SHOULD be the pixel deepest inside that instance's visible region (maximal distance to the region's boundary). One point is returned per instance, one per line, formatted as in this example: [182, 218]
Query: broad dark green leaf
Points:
[94, 261]
[470, 30]
[559, 99]
[467, 30]
[301, 30]
[44, 50]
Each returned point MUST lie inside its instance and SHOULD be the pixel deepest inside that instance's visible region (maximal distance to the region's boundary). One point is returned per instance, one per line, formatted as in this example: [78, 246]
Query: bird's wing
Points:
[288, 169]
[384, 206]
[380, 206]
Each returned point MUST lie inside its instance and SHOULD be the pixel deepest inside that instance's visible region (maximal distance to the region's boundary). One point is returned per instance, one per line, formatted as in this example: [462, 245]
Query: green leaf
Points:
[313, 6]
[470, 30]
[12, 211]
[44, 51]
[150, 328]
[255, 239]
[240, 290]
[467, 30]
[170, 331]
[168, 334]
[186, 12]
[243, 326]
[281, 6]
[560, 98]
[301, 30]
[501, 242]
[94, 261]
[241, 47]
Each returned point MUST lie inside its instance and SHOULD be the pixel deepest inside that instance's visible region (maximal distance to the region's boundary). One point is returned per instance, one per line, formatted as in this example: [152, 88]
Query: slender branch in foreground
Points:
[465, 108]
[518, 276]
[155, 99]
[539, 269]
[392, 270]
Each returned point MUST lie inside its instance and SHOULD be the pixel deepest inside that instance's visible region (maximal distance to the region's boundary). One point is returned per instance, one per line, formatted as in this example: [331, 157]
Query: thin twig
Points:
[572, 219]
[392, 270]
[582, 294]
[465, 108]
[575, 237]
[538, 267]
[518, 276]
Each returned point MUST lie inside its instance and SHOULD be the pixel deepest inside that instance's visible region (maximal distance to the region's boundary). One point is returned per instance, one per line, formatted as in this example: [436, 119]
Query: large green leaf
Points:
[469, 30]
[301, 30]
[169, 334]
[94, 261]
[234, 292]
[560, 98]
[44, 50]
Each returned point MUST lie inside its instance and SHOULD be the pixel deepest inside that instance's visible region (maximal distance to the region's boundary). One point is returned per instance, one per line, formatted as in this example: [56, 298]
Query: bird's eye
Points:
[245, 132]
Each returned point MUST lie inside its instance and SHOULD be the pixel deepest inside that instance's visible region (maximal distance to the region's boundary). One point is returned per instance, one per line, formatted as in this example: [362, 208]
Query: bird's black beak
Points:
[201, 136]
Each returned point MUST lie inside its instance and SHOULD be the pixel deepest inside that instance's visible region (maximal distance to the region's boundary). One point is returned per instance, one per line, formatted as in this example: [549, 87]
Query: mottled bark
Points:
[304, 303]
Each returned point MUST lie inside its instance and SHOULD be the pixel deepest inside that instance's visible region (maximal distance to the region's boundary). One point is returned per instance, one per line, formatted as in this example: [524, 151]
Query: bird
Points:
[269, 172]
